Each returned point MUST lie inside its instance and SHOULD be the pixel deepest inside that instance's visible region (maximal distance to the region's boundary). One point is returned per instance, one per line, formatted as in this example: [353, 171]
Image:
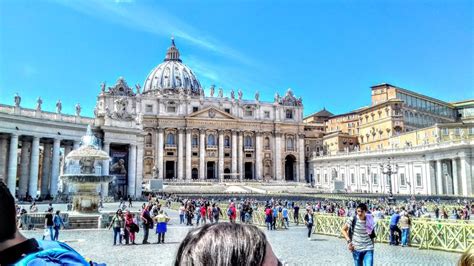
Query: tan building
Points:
[431, 141]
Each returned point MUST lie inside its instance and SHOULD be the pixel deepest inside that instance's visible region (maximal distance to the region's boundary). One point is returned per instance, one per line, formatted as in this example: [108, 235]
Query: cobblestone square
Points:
[290, 246]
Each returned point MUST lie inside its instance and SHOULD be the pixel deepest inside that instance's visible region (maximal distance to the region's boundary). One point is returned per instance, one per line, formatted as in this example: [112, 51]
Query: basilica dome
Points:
[172, 76]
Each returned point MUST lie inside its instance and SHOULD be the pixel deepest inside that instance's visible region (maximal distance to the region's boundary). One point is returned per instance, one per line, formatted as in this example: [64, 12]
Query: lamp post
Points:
[389, 170]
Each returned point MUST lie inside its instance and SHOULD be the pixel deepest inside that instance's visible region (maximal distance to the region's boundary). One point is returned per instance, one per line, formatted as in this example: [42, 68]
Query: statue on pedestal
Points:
[78, 109]
[257, 96]
[59, 107]
[39, 102]
[17, 100]
[212, 91]
[102, 87]
[156, 172]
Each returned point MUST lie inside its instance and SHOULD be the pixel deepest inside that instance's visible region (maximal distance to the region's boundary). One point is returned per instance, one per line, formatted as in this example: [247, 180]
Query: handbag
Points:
[46, 232]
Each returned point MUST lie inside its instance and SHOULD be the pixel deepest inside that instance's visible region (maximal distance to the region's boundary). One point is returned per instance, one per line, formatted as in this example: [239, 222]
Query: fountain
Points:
[84, 172]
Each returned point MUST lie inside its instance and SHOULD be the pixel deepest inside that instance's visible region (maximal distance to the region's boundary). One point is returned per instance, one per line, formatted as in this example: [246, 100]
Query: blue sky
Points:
[328, 52]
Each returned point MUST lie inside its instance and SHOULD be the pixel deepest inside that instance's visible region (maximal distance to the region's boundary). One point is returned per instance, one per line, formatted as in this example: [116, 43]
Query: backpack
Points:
[54, 253]
[351, 230]
[229, 212]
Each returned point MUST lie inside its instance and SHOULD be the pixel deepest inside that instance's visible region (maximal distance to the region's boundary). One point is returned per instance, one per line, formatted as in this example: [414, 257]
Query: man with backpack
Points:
[232, 212]
[360, 235]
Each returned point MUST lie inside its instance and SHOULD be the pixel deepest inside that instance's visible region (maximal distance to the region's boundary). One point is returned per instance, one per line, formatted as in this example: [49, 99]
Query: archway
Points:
[290, 167]
[194, 173]
[169, 170]
[211, 170]
[248, 170]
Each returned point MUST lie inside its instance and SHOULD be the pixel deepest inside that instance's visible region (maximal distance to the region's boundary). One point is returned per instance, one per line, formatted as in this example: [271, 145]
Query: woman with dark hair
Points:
[118, 224]
[215, 244]
[58, 222]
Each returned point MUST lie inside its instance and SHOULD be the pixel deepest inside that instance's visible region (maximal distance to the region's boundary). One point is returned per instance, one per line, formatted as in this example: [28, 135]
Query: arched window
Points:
[289, 144]
[266, 143]
[195, 140]
[226, 141]
[211, 140]
[148, 140]
[289, 114]
[170, 139]
[248, 141]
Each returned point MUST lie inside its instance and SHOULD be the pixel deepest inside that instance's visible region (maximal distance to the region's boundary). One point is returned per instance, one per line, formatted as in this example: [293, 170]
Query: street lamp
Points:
[389, 170]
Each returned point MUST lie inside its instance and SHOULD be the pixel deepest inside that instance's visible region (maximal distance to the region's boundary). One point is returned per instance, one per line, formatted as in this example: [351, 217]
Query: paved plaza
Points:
[290, 246]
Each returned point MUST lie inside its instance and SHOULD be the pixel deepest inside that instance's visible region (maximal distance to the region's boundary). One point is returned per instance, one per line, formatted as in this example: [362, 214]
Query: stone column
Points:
[160, 149]
[132, 162]
[139, 175]
[46, 171]
[24, 168]
[105, 170]
[180, 154]
[188, 153]
[67, 149]
[202, 152]
[12, 163]
[3, 158]
[75, 145]
[448, 178]
[55, 168]
[277, 152]
[240, 148]
[221, 155]
[432, 169]
[234, 153]
[439, 177]
[301, 177]
[34, 167]
[258, 156]
[455, 176]
[466, 177]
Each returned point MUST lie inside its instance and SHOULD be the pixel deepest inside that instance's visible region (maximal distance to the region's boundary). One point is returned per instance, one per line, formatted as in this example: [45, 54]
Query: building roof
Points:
[321, 113]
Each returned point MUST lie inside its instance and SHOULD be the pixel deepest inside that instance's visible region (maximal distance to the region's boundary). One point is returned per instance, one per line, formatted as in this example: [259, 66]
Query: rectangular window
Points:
[318, 178]
[457, 131]
[375, 179]
[171, 109]
[248, 113]
[266, 114]
[471, 131]
[227, 110]
[326, 178]
[444, 131]
[289, 114]
[418, 180]
[362, 176]
[149, 108]
[352, 178]
[248, 155]
[195, 109]
[402, 179]
[195, 154]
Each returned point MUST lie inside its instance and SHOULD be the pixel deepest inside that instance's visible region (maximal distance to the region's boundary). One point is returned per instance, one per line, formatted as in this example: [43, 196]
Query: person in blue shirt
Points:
[286, 221]
[394, 228]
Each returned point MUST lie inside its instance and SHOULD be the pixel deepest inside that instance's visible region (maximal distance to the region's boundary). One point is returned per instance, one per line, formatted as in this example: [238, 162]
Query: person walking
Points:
[286, 221]
[360, 234]
[296, 213]
[130, 227]
[48, 225]
[203, 211]
[216, 212]
[405, 224]
[161, 221]
[147, 223]
[58, 222]
[394, 240]
[118, 226]
[232, 212]
[268, 218]
[181, 212]
[309, 221]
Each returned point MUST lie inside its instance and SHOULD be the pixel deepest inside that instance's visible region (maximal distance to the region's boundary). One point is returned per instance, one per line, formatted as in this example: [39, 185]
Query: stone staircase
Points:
[83, 222]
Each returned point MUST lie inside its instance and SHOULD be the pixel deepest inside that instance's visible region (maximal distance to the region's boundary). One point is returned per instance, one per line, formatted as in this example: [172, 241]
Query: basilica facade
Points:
[183, 135]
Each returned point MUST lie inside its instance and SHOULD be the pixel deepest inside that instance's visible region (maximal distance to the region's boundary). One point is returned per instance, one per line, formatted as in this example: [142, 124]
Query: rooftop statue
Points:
[59, 107]
[221, 93]
[78, 109]
[39, 102]
[17, 100]
[232, 94]
[212, 91]
[138, 87]
[257, 96]
[240, 94]
[102, 87]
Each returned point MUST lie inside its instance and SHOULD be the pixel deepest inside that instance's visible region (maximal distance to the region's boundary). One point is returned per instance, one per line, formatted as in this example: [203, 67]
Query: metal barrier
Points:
[36, 220]
[440, 235]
